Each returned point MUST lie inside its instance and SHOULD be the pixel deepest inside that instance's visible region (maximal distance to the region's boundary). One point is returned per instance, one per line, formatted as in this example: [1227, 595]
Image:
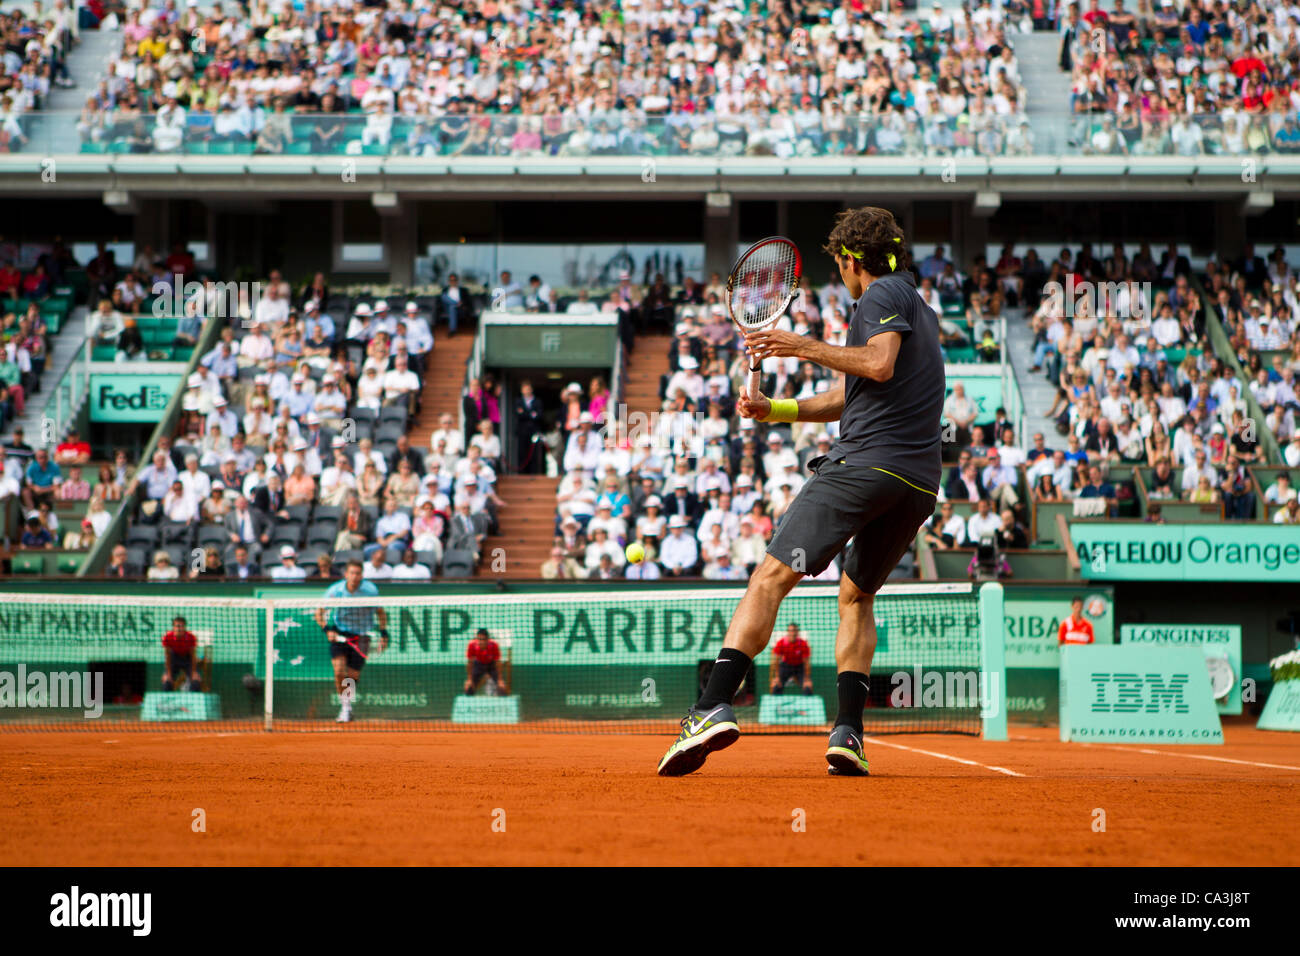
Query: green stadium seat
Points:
[70, 563]
[27, 562]
[301, 147]
[94, 149]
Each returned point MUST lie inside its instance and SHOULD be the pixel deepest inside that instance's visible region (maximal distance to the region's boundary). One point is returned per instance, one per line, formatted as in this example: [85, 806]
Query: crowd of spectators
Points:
[1183, 77]
[291, 454]
[644, 77]
[1258, 301]
[35, 46]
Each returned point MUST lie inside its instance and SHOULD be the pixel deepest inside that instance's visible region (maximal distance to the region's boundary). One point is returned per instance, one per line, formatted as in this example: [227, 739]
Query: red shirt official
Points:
[183, 642]
[485, 652]
[1075, 631]
[791, 651]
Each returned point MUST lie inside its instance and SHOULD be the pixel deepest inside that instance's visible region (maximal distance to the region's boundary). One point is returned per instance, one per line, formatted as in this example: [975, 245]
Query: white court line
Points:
[935, 753]
[1166, 753]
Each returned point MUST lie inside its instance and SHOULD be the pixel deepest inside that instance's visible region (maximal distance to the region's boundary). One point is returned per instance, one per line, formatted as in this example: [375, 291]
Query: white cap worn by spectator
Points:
[362, 309]
[687, 362]
[677, 521]
[288, 552]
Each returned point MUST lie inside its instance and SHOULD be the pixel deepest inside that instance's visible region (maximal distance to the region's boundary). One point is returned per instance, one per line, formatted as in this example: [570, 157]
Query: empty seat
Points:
[458, 563]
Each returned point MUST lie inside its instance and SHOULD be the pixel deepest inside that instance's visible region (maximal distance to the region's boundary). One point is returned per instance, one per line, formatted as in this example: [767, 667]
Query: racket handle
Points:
[755, 382]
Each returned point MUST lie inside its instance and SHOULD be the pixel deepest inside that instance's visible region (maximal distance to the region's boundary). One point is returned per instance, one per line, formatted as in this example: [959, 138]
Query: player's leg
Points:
[711, 724]
[339, 661]
[167, 670]
[855, 644]
[899, 511]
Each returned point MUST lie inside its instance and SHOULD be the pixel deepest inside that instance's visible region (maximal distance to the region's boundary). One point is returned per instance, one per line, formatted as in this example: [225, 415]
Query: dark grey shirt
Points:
[894, 425]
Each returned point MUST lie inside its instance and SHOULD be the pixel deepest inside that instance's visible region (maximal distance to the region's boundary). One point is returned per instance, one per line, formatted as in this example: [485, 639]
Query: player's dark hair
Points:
[482, 632]
[872, 235]
[1076, 599]
[355, 563]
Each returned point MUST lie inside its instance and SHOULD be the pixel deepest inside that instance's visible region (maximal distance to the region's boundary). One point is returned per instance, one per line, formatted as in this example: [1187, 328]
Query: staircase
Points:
[646, 363]
[54, 128]
[444, 381]
[42, 406]
[1047, 86]
[1036, 391]
[527, 527]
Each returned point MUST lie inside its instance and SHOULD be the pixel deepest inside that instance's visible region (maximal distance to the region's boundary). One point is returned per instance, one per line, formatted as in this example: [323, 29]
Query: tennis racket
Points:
[761, 286]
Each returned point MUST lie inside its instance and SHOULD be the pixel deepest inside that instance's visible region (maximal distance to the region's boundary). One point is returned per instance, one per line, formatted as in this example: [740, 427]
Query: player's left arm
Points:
[874, 360]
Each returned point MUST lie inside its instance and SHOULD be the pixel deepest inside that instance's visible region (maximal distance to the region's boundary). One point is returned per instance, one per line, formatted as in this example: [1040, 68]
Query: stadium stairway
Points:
[527, 526]
[87, 65]
[444, 382]
[647, 362]
[1048, 87]
[67, 346]
[1036, 391]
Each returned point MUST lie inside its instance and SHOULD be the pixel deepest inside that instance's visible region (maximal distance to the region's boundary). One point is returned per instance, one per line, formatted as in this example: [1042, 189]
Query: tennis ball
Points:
[635, 553]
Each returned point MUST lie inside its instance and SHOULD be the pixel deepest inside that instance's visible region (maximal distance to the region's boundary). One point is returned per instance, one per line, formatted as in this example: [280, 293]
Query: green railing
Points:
[777, 134]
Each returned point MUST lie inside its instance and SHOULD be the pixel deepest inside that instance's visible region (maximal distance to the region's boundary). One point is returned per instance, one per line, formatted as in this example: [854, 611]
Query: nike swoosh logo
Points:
[894, 316]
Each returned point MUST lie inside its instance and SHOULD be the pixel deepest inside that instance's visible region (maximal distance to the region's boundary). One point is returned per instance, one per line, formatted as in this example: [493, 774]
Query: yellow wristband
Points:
[783, 410]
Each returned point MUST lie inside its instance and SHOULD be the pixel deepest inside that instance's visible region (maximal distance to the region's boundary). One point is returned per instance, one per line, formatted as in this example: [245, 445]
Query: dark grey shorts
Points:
[878, 511]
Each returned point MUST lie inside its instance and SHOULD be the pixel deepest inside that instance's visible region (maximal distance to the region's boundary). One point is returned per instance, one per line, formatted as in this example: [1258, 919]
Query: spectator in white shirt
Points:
[400, 383]
[411, 570]
[679, 553]
[983, 521]
[289, 569]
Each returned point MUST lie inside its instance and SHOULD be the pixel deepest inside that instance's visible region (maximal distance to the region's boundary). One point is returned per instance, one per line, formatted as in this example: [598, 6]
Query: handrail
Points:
[1222, 347]
[1071, 553]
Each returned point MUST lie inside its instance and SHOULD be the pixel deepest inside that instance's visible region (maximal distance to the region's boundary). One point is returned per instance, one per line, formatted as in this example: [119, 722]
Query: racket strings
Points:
[765, 283]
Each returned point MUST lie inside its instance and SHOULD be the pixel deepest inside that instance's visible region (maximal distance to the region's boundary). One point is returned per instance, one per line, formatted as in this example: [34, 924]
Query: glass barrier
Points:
[779, 135]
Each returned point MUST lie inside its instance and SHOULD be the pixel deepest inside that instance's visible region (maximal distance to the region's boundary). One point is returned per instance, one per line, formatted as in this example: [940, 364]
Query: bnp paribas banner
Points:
[1114, 551]
[75, 629]
[680, 627]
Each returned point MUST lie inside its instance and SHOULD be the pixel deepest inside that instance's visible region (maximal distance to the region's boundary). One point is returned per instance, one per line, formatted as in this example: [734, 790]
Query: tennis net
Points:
[591, 661]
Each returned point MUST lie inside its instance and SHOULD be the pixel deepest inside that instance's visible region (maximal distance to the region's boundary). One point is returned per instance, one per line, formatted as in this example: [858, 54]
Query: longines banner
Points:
[1109, 551]
[1137, 694]
[1221, 644]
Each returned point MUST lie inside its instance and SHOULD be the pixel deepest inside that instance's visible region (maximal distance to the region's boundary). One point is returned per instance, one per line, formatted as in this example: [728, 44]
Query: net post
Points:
[269, 690]
[993, 662]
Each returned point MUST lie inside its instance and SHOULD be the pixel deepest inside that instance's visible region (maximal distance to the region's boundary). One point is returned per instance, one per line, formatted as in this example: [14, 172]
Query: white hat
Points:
[299, 443]
[775, 437]
[412, 307]
[677, 521]
[312, 418]
[195, 380]
[573, 387]
[218, 486]
[299, 378]
[585, 418]
[381, 306]
[311, 305]
[653, 502]
[220, 400]
[470, 480]
[682, 328]
[823, 437]
[687, 362]
[361, 309]
[287, 551]
[262, 379]
[744, 481]
[338, 442]
[747, 425]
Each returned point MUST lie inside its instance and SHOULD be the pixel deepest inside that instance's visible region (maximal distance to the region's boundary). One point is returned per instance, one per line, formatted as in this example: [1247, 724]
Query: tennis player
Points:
[348, 630]
[875, 487]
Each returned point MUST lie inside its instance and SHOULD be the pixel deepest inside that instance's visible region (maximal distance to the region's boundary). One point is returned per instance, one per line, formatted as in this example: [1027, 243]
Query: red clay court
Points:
[372, 798]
